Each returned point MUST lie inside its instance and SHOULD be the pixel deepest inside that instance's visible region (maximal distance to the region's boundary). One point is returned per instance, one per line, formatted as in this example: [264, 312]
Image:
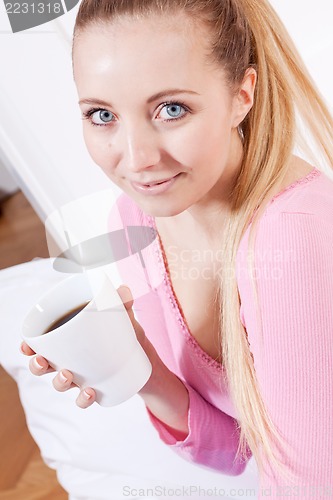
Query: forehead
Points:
[164, 49]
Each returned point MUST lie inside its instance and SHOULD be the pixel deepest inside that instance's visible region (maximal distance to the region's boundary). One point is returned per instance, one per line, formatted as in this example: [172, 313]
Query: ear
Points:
[243, 100]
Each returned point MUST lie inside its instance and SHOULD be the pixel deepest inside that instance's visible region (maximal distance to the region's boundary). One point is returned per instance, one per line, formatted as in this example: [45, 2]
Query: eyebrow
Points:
[155, 97]
[169, 92]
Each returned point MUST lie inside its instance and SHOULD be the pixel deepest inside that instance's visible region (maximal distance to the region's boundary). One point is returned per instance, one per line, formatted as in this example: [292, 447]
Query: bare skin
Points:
[153, 392]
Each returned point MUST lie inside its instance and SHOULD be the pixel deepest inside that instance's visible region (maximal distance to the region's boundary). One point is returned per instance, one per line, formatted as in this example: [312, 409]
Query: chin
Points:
[159, 211]
[158, 208]
[154, 206]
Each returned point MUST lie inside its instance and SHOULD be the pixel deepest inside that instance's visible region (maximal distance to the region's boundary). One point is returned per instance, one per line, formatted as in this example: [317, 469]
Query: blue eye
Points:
[173, 111]
[98, 116]
[101, 117]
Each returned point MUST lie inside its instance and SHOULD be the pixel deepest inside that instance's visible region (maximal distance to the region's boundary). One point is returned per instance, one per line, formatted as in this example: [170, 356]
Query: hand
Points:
[164, 393]
[64, 379]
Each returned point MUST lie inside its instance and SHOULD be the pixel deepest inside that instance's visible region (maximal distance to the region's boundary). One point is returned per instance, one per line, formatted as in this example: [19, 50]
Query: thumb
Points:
[126, 296]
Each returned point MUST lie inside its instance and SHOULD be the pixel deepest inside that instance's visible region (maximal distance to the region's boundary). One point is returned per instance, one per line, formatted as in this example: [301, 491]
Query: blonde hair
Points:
[243, 34]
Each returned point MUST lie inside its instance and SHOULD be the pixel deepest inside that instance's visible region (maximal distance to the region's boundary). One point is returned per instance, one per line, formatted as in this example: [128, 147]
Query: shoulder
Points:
[293, 237]
[300, 219]
[302, 210]
[311, 195]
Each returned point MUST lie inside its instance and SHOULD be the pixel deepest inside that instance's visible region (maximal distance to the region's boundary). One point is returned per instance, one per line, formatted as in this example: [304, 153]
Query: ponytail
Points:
[243, 34]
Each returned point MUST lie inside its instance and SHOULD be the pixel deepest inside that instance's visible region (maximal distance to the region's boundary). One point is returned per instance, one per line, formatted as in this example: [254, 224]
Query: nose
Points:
[140, 147]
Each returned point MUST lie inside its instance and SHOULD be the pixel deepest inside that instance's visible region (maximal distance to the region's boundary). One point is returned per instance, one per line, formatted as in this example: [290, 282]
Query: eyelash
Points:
[88, 114]
[177, 103]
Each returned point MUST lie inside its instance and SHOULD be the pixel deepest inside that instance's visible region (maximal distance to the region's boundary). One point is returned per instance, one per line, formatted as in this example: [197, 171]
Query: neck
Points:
[205, 219]
[210, 212]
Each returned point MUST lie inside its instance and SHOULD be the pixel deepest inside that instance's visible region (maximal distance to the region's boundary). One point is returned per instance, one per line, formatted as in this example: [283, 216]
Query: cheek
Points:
[204, 142]
[186, 144]
[98, 148]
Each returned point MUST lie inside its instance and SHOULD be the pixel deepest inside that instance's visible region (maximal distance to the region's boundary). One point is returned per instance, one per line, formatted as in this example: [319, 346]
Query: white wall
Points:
[40, 127]
[310, 25]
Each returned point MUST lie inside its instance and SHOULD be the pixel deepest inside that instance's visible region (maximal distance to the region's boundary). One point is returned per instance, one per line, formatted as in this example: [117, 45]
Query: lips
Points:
[155, 187]
[155, 183]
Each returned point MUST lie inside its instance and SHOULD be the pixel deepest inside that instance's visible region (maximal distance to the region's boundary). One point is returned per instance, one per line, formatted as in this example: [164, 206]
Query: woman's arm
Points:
[164, 394]
[294, 366]
[185, 421]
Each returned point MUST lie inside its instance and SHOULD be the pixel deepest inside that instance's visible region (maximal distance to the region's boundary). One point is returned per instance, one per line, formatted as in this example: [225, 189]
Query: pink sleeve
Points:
[212, 440]
[294, 366]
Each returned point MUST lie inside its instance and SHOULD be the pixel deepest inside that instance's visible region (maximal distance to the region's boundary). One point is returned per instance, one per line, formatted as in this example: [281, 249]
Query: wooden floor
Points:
[23, 474]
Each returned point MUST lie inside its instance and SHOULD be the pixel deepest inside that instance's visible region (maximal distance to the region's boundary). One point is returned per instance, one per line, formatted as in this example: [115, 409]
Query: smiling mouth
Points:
[156, 187]
[157, 183]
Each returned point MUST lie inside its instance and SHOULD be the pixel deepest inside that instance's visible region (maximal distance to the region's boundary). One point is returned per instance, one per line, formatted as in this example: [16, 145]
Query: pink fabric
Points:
[294, 367]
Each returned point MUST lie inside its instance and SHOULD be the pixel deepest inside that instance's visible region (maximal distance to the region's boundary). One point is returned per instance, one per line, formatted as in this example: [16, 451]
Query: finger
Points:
[39, 365]
[63, 381]
[86, 398]
[126, 296]
[25, 349]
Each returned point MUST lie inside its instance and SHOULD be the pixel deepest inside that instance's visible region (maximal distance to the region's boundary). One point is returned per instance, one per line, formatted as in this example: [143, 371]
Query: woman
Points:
[190, 108]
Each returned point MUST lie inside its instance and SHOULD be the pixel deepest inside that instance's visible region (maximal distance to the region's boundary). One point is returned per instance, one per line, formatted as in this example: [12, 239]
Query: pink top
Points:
[294, 269]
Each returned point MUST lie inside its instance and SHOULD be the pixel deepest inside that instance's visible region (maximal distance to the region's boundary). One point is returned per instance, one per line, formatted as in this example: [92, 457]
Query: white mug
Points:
[98, 345]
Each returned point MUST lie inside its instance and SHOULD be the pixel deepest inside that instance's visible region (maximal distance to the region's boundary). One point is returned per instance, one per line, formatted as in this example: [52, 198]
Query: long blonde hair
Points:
[247, 33]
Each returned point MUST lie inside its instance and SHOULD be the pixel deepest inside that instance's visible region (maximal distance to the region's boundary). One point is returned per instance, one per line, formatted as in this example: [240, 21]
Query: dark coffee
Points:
[65, 318]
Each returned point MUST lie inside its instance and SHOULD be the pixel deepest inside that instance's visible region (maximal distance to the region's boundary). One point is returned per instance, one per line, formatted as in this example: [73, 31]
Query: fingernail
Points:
[62, 377]
[21, 348]
[86, 395]
[37, 365]
[126, 294]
